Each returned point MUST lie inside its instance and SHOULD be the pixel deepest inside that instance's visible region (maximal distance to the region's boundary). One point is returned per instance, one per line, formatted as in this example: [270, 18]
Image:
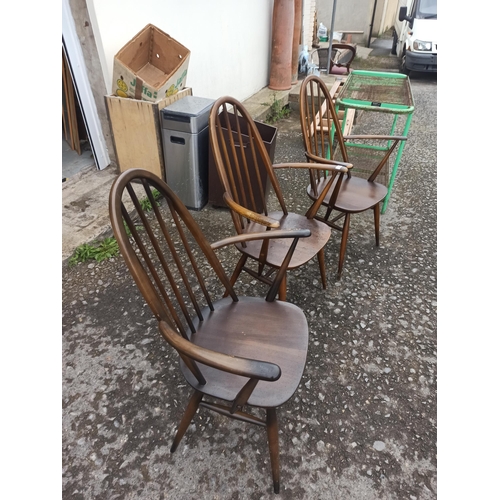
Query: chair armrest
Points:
[264, 220]
[380, 137]
[320, 164]
[264, 235]
[245, 367]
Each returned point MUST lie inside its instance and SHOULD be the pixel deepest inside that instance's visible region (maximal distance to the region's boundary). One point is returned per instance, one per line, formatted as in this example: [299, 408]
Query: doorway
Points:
[76, 150]
[79, 88]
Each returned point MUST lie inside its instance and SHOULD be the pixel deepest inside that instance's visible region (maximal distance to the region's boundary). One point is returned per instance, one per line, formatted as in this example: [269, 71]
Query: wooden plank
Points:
[335, 88]
[135, 135]
[349, 121]
[333, 91]
[136, 130]
[70, 107]
[324, 122]
[341, 80]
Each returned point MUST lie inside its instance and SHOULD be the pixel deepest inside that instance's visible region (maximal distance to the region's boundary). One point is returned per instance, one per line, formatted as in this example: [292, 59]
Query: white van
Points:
[415, 36]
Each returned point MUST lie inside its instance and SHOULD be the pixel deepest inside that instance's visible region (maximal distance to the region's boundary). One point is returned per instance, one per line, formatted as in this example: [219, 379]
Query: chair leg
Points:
[236, 272]
[328, 213]
[343, 244]
[186, 419]
[272, 436]
[322, 270]
[282, 290]
[376, 214]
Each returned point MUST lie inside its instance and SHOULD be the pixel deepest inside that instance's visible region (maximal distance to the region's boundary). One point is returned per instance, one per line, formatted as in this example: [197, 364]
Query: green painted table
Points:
[381, 93]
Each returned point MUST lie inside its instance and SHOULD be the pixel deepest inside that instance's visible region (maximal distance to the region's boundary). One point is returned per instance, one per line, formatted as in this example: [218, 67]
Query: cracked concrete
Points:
[362, 424]
[85, 207]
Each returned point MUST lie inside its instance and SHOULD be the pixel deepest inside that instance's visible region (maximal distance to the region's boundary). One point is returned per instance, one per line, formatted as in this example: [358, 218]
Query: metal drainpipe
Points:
[371, 25]
[297, 25]
[330, 40]
[280, 77]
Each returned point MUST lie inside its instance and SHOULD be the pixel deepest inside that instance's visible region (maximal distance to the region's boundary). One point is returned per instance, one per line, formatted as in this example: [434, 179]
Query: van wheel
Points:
[403, 68]
[394, 43]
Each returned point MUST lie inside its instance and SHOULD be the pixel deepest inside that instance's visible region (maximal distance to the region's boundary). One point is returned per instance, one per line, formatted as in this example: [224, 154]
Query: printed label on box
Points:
[125, 83]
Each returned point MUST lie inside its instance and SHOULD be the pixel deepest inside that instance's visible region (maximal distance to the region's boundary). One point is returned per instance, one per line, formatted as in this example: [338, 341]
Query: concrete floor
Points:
[381, 47]
[72, 162]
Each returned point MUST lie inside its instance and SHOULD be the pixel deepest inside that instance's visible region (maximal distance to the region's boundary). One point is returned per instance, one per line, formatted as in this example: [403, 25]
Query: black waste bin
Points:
[215, 188]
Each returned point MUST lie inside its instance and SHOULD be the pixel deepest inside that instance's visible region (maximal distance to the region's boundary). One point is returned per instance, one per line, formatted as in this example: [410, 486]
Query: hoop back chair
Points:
[342, 56]
[321, 55]
[357, 190]
[340, 60]
[246, 351]
[238, 148]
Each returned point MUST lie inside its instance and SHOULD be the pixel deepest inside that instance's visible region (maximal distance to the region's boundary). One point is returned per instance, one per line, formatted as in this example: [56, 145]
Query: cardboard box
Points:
[150, 67]
[136, 131]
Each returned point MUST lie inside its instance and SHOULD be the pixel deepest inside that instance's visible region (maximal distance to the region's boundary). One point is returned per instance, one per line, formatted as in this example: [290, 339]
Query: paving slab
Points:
[85, 214]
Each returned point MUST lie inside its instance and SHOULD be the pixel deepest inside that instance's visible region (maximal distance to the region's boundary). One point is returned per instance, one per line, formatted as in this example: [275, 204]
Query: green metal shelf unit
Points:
[382, 93]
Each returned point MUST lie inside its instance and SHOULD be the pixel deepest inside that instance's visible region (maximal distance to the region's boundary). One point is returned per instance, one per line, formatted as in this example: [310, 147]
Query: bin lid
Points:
[189, 114]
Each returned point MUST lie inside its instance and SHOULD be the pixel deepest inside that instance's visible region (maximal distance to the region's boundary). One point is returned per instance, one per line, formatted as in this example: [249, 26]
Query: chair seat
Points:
[233, 329]
[338, 70]
[306, 249]
[356, 194]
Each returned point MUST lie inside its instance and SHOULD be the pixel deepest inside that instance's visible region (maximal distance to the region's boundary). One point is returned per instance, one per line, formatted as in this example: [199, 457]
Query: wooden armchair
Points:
[238, 149]
[245, 351]
[357, 190]
[342, 56]
[340, 60]
[320, 57]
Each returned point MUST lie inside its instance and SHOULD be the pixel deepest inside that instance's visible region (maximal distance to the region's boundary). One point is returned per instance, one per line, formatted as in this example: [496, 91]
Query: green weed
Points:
[277, 112]
[146, 204]
[106, 249]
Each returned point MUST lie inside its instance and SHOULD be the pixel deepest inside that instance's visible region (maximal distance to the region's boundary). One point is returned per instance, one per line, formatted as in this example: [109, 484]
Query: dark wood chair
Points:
[247, 351]
[340, 59]
[342, 56]
[352, 192]
[320, 58]
[238, 150]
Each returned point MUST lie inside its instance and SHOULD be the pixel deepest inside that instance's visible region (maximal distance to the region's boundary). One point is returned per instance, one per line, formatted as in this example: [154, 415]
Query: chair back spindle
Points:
[239, 149]
[163, 252]
[370, 154]
[320, 130]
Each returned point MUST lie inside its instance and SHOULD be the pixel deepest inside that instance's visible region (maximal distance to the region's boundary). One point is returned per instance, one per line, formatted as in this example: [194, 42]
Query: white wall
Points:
[391, 13]
[354, 15]
[309, 7]
[229, 40]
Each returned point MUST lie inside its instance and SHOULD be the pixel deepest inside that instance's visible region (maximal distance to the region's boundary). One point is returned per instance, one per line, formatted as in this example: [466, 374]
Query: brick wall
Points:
[308, 22]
